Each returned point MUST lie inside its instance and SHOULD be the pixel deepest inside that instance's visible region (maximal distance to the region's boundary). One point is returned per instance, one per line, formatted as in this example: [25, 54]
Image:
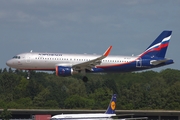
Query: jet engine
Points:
[64, 71]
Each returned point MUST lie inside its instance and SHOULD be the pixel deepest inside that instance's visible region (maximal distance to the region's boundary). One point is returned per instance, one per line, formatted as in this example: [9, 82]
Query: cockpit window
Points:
[16, 57]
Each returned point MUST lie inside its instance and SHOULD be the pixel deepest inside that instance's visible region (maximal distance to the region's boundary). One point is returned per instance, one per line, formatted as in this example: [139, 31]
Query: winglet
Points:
[106, 53]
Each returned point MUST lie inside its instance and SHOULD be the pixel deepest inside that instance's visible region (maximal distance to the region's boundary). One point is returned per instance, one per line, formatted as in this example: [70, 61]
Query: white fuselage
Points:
[83, 116]
[48, 61]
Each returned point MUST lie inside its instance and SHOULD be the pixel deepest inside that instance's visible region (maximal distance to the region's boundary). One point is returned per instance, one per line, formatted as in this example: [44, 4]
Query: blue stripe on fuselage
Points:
[127, 67]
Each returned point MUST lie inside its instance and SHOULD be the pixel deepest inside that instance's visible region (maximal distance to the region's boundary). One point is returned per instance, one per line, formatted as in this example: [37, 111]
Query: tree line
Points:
[137, 90]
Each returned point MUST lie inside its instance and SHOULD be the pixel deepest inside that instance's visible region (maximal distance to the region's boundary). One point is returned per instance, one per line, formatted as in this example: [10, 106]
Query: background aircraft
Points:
[109, 114]
[69, 64]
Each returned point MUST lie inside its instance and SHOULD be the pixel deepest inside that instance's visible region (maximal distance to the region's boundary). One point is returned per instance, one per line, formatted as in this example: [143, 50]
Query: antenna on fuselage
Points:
[31, 50]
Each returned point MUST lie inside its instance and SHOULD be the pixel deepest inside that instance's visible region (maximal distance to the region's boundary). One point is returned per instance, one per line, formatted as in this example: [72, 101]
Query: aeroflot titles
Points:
[50, 54]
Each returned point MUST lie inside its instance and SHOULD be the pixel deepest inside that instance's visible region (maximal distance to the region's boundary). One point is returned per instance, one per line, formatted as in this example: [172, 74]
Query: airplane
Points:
[70, 64]
[108, 114]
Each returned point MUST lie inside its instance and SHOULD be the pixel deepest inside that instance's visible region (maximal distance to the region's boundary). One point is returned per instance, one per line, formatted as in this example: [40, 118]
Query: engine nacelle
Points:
[64, 71]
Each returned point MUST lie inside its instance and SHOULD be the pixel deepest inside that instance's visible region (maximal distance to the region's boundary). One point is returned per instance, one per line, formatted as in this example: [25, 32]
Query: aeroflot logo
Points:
[50, 54]
[113, 105]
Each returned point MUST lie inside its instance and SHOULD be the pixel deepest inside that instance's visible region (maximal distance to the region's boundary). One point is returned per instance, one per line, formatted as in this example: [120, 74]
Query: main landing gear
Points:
[85, 79]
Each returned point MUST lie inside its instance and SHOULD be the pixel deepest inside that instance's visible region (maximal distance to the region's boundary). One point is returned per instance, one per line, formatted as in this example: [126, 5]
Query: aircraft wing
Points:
[156, 62]
[138, 118]
[128, 118]
[90, 64]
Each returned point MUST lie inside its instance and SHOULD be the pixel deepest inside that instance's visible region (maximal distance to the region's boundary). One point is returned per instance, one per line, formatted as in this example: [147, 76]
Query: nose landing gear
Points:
[28, 74]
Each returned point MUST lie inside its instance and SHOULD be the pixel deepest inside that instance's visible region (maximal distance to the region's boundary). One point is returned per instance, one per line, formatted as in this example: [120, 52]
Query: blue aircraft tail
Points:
[159, 46]
[112, 105]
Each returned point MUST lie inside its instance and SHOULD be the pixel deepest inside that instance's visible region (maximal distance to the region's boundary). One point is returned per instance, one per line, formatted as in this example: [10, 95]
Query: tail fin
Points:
[112, 105]
[159, 46]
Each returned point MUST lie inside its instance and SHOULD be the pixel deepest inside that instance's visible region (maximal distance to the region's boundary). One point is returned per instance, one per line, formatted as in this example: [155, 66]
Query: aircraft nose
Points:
[9, 63]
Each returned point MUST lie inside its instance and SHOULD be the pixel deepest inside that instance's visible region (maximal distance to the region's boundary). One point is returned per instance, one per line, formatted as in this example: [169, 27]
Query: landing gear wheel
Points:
[28, 75]
[85, 79]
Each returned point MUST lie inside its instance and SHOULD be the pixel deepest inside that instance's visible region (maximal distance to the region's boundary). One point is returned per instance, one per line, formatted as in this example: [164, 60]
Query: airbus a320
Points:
[69, 64]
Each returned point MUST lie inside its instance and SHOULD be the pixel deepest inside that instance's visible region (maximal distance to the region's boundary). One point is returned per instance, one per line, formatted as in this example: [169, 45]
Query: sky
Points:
[87, 26]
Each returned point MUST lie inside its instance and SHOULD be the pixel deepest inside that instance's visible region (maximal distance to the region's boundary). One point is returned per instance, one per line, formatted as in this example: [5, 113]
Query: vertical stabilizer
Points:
[112, 105]
[159, 46]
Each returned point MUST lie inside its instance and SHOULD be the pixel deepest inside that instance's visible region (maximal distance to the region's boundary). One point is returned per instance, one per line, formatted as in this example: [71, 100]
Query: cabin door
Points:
[139, 62]
[28, 58]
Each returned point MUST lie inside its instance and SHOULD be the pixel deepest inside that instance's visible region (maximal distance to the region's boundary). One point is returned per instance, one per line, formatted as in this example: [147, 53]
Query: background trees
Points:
[141, 90]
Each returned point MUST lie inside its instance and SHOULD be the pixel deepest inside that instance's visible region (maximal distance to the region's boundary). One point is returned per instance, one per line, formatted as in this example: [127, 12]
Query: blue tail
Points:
[159, 46]
[112, 105]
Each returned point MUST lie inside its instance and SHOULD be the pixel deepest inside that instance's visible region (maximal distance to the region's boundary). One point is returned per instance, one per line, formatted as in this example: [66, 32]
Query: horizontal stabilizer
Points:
[157, 62]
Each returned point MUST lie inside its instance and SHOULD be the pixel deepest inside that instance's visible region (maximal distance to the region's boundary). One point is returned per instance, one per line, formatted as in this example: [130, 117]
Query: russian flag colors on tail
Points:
[112, 105]
[159, 46]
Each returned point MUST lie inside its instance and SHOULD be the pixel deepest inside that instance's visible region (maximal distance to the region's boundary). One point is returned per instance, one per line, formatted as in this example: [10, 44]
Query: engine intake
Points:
[64, 71]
